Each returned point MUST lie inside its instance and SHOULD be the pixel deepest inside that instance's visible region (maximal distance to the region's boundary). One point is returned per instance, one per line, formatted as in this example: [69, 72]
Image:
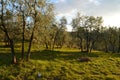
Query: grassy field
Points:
[63, 64]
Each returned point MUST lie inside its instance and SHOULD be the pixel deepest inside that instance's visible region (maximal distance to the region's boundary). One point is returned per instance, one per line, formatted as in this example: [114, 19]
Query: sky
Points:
[108, 9]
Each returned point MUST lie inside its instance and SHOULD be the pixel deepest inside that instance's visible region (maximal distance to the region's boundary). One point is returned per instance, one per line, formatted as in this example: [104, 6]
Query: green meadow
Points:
[60, 64]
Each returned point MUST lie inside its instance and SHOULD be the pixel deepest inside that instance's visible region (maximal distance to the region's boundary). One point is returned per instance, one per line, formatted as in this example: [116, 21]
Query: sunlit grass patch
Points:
[61, 65]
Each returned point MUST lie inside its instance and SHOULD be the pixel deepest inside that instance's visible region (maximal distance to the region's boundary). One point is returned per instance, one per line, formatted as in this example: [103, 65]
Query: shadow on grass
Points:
[5, 59]
[5, 55]
[51, 55]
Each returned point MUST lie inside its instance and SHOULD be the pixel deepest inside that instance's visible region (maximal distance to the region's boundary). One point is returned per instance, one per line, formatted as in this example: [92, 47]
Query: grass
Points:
[60, 65]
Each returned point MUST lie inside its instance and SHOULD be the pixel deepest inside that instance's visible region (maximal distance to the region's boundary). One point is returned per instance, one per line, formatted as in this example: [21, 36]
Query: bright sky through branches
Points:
[108, 9]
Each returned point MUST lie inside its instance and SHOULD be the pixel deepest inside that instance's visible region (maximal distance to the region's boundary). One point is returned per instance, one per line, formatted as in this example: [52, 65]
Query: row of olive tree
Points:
[88, 33]
[110, 39]
[86, 29]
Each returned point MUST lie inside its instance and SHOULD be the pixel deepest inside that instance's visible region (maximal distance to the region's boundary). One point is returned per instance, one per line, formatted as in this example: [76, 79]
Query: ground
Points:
[60, 64]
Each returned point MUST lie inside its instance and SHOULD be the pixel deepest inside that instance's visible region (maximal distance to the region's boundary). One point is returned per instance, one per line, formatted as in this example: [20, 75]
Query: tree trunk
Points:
[87, 41]
[81, 46]
[30, 44]
[23, 37]
[61, 43]
[87, 45]
[113, 47]
[4, 29]
[119, 45]
[32, 35]
[22, 54]
[46, 45]
[54, 40]
[106, 48]
[53, 45]
[11, 41]
[14, 60]
[87, 50]
[93, 42]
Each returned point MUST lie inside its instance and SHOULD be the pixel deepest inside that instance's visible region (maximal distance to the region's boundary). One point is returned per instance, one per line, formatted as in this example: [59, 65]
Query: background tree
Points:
[59, 38]
[87, 30]
[38, 10]
[118, 40]
[113, 38]
[8, 24]
[78, 24]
